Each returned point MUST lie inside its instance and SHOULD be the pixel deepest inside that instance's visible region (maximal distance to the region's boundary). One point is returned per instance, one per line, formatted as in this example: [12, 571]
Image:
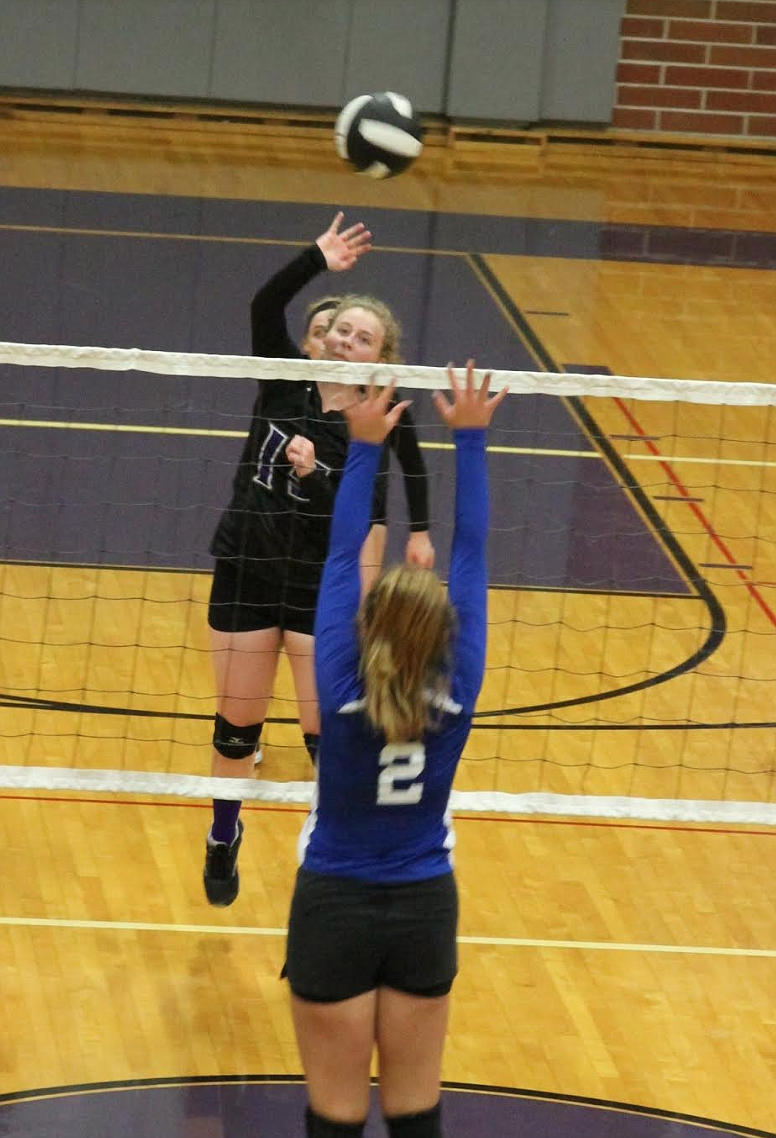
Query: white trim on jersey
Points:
[450, 839]
[310, 822]
[354, 705]
[436, 699]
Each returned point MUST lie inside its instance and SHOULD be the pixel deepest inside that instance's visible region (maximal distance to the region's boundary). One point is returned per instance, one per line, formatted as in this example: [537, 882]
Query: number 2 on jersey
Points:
[401, 763]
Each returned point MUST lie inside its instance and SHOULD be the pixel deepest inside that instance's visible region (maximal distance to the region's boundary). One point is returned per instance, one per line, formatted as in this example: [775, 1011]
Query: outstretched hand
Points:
[372, 418]
[470, 407]
[342, 250]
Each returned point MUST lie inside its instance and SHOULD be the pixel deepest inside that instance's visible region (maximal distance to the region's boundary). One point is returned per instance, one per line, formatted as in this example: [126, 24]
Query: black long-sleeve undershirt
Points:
[270, 337]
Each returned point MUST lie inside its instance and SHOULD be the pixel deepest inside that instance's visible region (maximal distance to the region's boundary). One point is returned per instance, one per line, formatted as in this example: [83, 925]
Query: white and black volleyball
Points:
[379, 134]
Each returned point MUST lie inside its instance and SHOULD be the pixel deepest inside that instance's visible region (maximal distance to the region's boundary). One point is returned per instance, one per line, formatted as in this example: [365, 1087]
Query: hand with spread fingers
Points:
[371, 419]
[342, 250]
[471, 406]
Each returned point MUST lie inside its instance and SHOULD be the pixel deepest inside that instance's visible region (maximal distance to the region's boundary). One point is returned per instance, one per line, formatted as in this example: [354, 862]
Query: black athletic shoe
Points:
[222, 881]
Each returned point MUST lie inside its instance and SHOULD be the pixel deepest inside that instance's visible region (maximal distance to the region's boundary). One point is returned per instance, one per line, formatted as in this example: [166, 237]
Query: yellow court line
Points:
[128, 428]
[520, 450]
[139, 233]
[207, 433]
[506, 942]
[212, 237]
[141, 429]
[671, 458]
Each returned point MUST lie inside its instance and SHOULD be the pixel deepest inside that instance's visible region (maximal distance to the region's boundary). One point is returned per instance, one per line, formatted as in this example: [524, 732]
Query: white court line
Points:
[504, 942]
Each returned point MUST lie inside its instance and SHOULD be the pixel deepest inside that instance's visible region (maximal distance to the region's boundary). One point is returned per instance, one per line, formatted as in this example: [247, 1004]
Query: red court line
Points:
[521, 820]
[681, 489]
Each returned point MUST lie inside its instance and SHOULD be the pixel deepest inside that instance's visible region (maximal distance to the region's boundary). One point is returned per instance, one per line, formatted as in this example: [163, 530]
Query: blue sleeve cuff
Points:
[469, 437]
[358, 446]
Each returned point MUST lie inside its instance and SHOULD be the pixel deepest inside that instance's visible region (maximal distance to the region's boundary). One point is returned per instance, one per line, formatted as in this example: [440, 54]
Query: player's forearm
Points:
[468, 569]
[471, 488]
[352, 508]
[268, 324]
[372, 554]
[404, 443]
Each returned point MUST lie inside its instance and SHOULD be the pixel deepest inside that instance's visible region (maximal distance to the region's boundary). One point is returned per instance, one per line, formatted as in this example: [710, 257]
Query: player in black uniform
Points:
[403, 441]
[271, 541]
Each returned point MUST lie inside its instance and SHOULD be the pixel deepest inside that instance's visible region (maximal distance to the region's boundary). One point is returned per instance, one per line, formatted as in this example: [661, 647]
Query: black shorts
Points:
[347, 937]
[243, 602]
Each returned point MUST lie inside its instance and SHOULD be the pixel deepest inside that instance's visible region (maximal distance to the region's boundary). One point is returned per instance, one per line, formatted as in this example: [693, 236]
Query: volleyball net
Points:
[632, 611]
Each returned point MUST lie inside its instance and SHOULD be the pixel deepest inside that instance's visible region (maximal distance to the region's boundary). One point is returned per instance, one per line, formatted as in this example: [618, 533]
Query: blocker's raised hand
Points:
[471, 406]
[372, 418]
[342, 250]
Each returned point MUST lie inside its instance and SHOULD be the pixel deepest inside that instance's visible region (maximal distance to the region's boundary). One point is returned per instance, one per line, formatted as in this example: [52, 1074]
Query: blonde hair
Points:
[405, 624]
[389, 352]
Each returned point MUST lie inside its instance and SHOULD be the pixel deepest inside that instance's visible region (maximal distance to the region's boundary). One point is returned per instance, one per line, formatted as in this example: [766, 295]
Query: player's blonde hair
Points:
[389, 352]
[405, 625]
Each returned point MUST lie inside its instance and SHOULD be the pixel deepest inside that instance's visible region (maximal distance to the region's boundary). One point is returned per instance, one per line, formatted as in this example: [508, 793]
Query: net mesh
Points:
[631, 613]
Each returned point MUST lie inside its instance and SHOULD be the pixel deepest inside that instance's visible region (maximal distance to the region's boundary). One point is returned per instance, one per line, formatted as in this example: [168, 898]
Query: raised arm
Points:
[469, 415]
[332, 250]
[468, 582]
[336, 647]
[403, 441]
[269, 331]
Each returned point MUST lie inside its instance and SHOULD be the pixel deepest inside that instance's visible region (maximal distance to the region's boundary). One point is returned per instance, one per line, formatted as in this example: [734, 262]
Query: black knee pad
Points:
[318, 1127]
[427, 1124]
[235, 742]
[311, 741]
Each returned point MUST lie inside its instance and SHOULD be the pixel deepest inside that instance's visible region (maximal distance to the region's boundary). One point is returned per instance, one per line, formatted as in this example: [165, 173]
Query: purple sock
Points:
[225, 815]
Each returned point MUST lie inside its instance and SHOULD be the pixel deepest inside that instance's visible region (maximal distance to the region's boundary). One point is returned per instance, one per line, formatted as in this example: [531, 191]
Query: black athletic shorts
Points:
[243, 602]
[347, 937]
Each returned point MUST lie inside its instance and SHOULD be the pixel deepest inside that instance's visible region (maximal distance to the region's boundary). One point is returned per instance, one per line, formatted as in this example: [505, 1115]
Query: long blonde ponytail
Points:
[405, 624]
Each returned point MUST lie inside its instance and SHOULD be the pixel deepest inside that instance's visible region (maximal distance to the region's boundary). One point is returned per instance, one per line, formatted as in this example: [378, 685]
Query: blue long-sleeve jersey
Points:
[381, 811]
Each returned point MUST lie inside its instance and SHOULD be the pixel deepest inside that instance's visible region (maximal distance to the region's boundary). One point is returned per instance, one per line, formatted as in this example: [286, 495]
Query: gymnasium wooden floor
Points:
[602, 962]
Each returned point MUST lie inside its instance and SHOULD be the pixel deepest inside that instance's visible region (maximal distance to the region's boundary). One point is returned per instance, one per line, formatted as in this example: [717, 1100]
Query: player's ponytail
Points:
[405, 625]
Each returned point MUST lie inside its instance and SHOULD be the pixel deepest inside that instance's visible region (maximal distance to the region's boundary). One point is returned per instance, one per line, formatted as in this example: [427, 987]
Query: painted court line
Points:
[667, 463]
[142, 429]
[502, 942]
[127, 428]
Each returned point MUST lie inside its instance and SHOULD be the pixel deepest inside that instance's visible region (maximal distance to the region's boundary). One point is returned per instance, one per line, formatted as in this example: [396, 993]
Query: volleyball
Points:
[378, 134]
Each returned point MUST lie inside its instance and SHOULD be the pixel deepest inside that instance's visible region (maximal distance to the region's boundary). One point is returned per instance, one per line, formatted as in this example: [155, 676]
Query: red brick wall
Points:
[698, 67]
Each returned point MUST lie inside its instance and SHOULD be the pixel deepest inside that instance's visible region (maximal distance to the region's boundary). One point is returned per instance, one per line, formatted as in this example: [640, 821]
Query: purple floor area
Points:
[267, 1109]
[415, 229]
[144, 499]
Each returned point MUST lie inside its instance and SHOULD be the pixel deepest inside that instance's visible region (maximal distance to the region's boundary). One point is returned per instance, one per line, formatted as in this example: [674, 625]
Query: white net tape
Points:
[300, 793]
[431, 378]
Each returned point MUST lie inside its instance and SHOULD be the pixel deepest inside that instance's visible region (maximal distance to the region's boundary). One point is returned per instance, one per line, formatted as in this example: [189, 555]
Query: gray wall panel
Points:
[507, 60]
[399, 46]
[148, 47]
[497, 59]
[581, 51]
[38, 43]
[281, 51]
